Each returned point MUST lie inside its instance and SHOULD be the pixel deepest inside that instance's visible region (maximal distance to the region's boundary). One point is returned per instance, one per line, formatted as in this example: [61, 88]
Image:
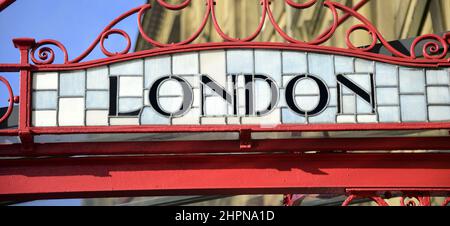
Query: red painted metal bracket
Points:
[235, 174]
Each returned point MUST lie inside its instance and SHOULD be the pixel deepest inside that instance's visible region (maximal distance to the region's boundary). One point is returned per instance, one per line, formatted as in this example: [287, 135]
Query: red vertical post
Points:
[24, 45]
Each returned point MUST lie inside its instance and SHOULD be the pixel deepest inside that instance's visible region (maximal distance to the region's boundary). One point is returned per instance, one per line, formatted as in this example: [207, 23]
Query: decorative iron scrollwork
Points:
[435, 48]
[12, 99]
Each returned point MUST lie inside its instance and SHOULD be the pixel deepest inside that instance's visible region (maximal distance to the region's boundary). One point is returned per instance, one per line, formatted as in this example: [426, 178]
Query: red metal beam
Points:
[229, 146]
[239, 174]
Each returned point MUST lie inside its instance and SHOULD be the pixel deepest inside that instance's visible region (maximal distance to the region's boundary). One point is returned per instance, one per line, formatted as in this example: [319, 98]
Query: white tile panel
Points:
[294, 63]
[213, 64]
[96, 118]
[438, 77]
[72, 83]
[156, 67]
[130, 86]
[45, 100]
[44, 118]
[185, 63]
[413, 108]
[124, 121]
[213, 121]
[98, 78]
[190, 118]
[327, 116]
[240, 61]
[344, 64]
[412, 80]
[71, 112]
[363, 66]
[438, 95]
[268, 62]
[387, 96]
[322, 66]
[97, 99]
[439, 113]
[150, 117]
[389, 114]
[134, 67]
[386, 75]
[45, 80]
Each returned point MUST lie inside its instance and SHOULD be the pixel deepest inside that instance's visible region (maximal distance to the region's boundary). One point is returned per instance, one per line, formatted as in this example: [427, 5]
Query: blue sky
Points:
[75, 23]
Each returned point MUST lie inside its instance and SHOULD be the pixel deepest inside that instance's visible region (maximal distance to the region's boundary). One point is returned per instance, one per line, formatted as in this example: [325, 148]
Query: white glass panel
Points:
[213, 121]
[438, 95]
[123, 121]
[343, 64]
[197, 98]
[72, 83]
[413, 108]
[439, 113]
[346, 119]
[44, 118]
[349, 104]
[268, 121]
[150, 117]
[127, 105]
[98, 78]
[363, 107]
[333, 97]
[363, 66]
[367, 118]
[156, 67]
[290, 117]
[97, 118]
[146, 97]
[263, 95]
[185, 63]
[327, 116]
[233, 120]
[71, 112]
[45, 99]
[45, 80]
[191, 118]
[170, 104]
[97, 99]
[387, 96]
[322, 67]
[240, 61]
[131, 86]
[412, 80]
[386, 75]
[268, 62]
[307, 86]
[135, 67]
[282, 99]
[213, 64]
[215, 105]
[307, 103]
[438, 77]
[171, 87]
[294, 63]
[389, 114]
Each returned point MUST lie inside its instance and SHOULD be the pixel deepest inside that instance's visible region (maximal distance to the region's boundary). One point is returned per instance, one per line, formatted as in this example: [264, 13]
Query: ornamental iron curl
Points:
[435, 48]
[12, 99]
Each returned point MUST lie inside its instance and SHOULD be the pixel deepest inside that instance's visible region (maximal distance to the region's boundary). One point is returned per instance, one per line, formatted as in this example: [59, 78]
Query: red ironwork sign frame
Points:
[261, 171]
